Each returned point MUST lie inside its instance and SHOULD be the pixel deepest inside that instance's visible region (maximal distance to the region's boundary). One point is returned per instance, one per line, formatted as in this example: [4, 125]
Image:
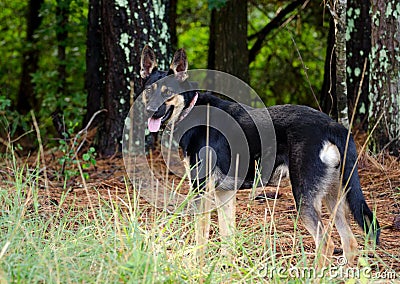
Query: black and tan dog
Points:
[310, 146]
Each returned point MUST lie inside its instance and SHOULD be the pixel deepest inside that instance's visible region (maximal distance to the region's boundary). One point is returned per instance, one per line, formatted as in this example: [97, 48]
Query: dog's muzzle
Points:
[159, 117]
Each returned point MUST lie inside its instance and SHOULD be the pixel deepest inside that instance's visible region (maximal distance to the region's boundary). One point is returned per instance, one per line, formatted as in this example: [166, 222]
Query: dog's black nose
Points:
[151, 109]
[155, 111]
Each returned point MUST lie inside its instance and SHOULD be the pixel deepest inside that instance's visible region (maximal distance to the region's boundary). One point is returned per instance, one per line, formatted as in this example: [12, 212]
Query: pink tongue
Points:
[154, 124]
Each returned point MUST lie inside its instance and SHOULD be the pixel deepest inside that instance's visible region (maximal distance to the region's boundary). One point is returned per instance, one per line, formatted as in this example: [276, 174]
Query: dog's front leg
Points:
[202, 226]
[225, 200]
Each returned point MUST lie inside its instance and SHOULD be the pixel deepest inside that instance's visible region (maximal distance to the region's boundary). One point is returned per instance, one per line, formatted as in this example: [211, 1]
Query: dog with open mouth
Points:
[313, 151]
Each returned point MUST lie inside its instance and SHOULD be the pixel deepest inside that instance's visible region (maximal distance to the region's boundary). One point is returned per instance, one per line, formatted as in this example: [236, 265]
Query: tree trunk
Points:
[340, 50]
[328, 93]
[228, 49]
[95, 75]
[385, 76]
[26, 95]
[172, 24]
[358, 46]
[62, 13]
[122, 28]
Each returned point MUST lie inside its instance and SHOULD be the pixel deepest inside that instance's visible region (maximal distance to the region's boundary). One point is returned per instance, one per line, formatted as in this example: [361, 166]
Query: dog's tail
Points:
[355, 197]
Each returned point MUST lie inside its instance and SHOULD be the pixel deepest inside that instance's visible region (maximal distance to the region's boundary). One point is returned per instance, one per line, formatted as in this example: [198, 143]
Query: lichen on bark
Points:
[122, 29]
[385, 76]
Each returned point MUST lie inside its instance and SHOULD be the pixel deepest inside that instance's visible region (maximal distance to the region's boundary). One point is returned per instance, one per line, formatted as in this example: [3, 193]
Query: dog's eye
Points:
[170, 99]
[167, 94]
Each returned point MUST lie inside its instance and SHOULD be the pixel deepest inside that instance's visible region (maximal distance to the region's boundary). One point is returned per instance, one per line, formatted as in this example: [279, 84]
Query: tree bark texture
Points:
[119, 30]
[340, 50]
[172, 24]
[328, 93]
[358, 46]
[228, 49]
[95, 73]
[384, 88]
[62, 14]
[26, 96]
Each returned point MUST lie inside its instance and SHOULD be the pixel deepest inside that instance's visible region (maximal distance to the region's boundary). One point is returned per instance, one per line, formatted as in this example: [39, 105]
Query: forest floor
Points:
[380, 179]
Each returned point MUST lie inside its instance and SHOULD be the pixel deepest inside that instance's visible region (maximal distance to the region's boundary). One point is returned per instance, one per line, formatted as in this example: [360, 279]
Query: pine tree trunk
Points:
[328, 92]
[358, 46]
[340, 50]
[62, 14]
[119, 30]
[228, 50]
[95, 75]
[172, 24]
[385, 76]
[26, 95]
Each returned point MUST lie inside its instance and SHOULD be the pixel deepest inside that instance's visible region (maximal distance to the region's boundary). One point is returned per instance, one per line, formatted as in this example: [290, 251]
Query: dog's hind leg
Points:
[337, 205]
[310, 213]
[310, 186]
[335, 198]
[225, 201]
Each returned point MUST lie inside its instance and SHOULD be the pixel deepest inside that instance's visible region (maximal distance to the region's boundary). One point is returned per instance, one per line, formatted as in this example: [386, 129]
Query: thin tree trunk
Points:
[385, 76]
[172, 23]
[340, 50]
[328, 93]
[26, 95]
[62, 13]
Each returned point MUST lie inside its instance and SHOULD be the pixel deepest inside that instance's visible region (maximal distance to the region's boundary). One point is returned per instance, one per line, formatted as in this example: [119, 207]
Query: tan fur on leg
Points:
[349, 242]
[202, 222]
[202, 227]
[324, 245]
[226, 207]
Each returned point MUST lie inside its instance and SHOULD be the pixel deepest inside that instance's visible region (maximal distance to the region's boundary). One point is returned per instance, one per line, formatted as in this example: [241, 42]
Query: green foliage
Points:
[5, 103]
[89, 159]
[193, 31]
[216, 4]
[70, 159]
[46, 80]
[12, 28]
[277, 74]
[11, 122]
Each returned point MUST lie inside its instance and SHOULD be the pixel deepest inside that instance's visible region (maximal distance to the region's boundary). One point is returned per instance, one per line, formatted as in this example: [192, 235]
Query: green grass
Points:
[122, 242]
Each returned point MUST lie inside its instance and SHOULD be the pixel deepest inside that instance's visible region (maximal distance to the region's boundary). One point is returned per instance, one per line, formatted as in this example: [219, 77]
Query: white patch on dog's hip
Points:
[330, 154]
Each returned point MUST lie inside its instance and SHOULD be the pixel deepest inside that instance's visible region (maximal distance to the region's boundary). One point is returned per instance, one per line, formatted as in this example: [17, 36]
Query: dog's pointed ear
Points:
[179, 65]
[148, 61]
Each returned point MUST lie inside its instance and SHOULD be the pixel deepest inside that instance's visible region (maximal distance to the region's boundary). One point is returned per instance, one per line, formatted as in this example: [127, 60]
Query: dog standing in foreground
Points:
[311, 149]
